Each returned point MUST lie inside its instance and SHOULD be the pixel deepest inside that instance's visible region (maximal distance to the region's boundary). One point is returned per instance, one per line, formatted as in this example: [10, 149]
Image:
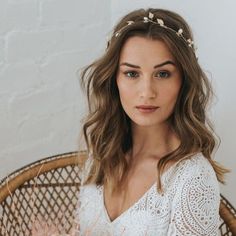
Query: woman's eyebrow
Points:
[156, 66]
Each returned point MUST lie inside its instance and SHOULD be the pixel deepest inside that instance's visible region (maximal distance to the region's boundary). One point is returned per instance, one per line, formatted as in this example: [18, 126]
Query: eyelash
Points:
[164, 71]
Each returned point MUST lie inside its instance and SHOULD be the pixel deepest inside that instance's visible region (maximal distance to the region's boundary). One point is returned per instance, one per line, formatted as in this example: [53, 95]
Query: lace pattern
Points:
[188, 206]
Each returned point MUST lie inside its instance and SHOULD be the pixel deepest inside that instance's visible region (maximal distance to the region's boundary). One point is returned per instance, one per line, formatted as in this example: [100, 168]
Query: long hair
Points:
[107, 129]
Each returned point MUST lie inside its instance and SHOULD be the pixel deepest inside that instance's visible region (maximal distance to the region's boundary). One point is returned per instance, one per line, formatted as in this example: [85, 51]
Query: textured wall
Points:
[42, 45]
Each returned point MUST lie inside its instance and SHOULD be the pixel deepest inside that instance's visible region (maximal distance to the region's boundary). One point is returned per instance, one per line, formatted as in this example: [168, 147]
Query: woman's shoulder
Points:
[195, 164]
[195, 171]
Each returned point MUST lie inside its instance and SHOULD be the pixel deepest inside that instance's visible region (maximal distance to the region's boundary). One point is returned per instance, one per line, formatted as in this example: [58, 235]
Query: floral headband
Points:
[161, 23]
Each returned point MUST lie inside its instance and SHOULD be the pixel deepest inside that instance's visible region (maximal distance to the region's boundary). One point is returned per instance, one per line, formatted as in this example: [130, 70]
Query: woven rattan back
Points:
[47, 188]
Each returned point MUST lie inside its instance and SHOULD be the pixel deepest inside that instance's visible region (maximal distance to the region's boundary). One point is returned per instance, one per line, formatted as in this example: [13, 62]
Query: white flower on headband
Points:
[150, 15]
[190, 42]
[145, 19]
[160, 22]
[180, 32]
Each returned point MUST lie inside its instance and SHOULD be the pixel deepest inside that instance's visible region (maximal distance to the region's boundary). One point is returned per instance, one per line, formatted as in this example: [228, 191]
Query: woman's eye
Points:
[131, 74]
[163, 74]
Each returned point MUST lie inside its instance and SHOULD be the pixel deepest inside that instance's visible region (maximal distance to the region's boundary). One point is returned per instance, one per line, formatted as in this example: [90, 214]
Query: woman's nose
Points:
[148, 89]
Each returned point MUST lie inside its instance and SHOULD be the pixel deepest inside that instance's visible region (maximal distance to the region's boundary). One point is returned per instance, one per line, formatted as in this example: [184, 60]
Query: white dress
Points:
[189, 205]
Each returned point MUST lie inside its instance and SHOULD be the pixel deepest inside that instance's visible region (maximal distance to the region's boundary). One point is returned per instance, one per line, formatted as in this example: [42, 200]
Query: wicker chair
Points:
[46, 188]
[49, 188]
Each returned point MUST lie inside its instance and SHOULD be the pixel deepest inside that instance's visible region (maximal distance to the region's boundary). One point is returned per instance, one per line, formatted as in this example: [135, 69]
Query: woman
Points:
[150, 169]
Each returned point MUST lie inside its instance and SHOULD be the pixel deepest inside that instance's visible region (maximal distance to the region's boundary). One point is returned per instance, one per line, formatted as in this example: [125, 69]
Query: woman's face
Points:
[148, 81]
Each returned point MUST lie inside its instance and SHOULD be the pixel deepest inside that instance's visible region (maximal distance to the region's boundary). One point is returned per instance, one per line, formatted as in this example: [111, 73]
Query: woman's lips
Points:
[146, 106]
[147, 109]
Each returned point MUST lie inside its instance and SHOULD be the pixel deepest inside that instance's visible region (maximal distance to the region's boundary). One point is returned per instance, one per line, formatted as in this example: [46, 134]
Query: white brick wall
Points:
[42, 45]
[18, 15]
[2, 46]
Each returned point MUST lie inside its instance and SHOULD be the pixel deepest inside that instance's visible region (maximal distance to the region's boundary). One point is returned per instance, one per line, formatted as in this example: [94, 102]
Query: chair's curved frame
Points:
[9, 184]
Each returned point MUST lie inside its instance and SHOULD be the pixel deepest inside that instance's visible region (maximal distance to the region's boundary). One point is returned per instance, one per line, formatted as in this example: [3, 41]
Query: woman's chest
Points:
[138, 181]
[148, 216]
[126, 196]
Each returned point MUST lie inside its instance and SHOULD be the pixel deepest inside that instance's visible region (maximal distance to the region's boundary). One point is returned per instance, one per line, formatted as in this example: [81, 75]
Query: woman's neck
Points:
[153, 142]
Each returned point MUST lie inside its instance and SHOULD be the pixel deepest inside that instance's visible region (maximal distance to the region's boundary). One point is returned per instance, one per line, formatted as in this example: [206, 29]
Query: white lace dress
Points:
[189, 205]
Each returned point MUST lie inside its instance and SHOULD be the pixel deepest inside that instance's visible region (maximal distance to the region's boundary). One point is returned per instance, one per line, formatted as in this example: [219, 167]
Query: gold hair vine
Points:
[161, 23]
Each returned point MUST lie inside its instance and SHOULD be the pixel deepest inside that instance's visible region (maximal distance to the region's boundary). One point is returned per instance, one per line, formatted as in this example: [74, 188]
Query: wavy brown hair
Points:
[107, 129]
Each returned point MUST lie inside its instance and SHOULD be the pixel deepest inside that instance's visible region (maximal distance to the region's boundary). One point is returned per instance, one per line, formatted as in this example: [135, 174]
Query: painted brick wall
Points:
[43, 43]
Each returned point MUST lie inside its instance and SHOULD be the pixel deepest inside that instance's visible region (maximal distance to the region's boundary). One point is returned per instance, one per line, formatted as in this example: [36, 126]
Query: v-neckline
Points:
[125, 211]
[134, 204]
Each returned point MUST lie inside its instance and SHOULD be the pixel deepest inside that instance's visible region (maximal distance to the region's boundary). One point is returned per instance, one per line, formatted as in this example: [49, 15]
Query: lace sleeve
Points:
[195, 208]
